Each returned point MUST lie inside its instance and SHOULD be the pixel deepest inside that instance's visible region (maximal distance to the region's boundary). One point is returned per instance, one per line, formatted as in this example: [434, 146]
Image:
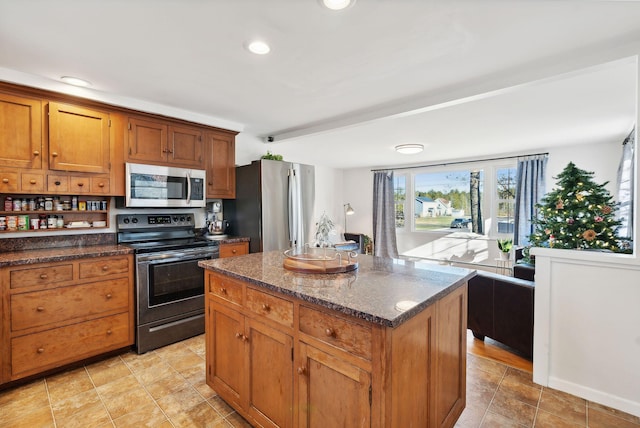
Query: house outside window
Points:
[400, 197]
[505, 199]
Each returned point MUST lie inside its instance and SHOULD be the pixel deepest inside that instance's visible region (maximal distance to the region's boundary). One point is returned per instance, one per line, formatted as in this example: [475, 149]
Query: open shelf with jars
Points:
[47, 213]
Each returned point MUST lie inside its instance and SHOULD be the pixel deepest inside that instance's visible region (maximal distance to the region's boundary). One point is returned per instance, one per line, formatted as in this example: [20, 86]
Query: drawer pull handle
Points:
[80, 184]
[105, 268]
[40, 350]
[5, 180]
[109, 295]
[32, 181]
[245, 338]
[238, 336]
[109, 332]
[54, 154]
[234, 251]
[101, 184]
[302, 371]
[223, 290]
[266, 307]
[44, 276]
[210, 183]
[330, 332]
[40, 309]
[57, 183]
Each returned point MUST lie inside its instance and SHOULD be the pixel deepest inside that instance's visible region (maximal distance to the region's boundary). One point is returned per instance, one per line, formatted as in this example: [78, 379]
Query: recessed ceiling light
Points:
[409, 149]
[337, 4]
[75, 81]
[258, 47]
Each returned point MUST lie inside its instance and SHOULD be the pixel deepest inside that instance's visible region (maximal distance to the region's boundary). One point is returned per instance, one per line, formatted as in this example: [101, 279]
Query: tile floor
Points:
[166, 388]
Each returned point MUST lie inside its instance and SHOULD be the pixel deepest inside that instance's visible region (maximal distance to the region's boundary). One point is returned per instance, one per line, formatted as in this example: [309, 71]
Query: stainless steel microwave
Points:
[151, 186]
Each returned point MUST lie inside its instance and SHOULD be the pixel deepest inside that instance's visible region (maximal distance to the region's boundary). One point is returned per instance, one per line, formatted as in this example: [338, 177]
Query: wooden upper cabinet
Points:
[160, 142]
[220, 151]
[78, 139]
[20, 132]
[185, 147]
[147, 141]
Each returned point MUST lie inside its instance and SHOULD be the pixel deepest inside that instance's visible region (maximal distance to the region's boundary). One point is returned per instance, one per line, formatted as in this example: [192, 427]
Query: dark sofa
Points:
[501, 307]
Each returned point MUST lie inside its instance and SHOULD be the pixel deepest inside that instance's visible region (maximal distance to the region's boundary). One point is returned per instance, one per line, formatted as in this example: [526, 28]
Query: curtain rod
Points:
[459, 162]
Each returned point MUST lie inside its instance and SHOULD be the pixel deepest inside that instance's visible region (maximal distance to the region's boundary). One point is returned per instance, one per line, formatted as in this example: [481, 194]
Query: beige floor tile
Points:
[23, 400]
[614, 412]
[124, 396]
[108, 370]
[167, 385]
[137, 362]
[521, 391]
[565, 406]
[150, 416]
[237, 421]
[77, 404]
[196, 344]
[221, 407]
[180, 401]
[40, 418]
[68, 384]
[185, 360]
[494, 420]
[598, 418]
[153, 373]
[549, 420]
[197, 378]
[471, 416]
[200, 415]
[87, 416]
[486, 365]
[506, 405]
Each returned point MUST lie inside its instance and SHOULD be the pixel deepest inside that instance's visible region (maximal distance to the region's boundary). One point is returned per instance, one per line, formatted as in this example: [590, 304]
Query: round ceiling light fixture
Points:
[258, 47]
[75, 81]
[409, 149]
[337, 4]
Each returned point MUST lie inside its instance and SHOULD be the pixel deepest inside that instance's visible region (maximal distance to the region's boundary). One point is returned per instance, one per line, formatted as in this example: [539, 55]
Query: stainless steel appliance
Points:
[163, 186]
[273, 205]
[169, 284]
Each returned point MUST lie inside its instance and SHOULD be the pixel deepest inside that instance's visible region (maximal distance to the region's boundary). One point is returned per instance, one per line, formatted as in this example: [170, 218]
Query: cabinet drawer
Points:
[101, 267]
[29, 277]
[8, 181]
[57, 183]
[41, 351]
[336, 331]
[274, 308]
[32, 182]
[41, 308]
[226, 288]
[230, 250]
[80, 184]
[100, 186]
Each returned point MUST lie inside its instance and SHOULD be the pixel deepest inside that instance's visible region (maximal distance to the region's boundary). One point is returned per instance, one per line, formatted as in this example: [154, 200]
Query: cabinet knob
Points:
[80, 184]
[105, 268]
[238, 336]
[57, 183]
[234, 251]
[302, 371]
[32, 181]
[5, 180]
[330, 332]
[109, 332]
[44, 276]
[223, 290]
[40, 309]
[101, 184]
[266, 307]
[40, 350]
[245, 338]
[109, 295]
[36, 153]
[210, 183]
[164, 150]
[54, 154]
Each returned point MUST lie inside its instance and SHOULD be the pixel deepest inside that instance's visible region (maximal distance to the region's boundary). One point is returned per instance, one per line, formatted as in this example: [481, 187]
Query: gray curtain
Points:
[384, 216]
[625, 187]
[530, 189]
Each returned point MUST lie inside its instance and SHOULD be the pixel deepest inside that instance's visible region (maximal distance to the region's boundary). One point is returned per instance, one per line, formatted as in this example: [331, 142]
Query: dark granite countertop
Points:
[46, 255]
[375, 292]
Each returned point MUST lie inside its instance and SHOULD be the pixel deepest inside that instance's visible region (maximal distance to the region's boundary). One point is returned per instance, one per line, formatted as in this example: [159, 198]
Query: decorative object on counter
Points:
[505, 245]
[319, 260]
[271, 156]
[347, 211]
[324, 226]
[368, 245]
[577, 214]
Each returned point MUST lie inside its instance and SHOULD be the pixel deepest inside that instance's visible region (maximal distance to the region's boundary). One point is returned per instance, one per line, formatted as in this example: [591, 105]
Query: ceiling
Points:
[467, 79]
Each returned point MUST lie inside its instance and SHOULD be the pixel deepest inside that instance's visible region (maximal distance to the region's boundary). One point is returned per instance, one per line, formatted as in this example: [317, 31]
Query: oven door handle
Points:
[154, 260]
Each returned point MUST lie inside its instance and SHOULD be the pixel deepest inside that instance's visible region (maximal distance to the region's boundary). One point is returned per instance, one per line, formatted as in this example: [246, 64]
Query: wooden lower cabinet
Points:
[55, 314]
[322, 368]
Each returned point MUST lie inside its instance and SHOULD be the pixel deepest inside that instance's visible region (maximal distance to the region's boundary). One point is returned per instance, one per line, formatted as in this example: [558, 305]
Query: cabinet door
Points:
[270, 382]
[220, 164]
[332, 392]
[185, 147]
[20, 132]
[225, 372]
[78, 139]
[147, 141]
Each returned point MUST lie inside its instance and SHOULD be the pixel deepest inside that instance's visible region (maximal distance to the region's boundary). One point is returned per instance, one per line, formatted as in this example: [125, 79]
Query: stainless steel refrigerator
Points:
[273, 205]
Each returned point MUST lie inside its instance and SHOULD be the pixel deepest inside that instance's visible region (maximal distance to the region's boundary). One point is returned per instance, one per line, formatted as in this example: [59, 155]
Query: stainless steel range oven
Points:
[169, 283]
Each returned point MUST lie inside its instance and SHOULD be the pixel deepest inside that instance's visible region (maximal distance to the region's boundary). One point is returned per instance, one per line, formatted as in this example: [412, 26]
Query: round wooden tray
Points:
[320, 261]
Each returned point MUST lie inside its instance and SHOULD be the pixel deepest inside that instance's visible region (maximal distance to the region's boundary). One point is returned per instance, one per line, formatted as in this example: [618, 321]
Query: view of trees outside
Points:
[451, 189]
[400, 196]
[506, 189]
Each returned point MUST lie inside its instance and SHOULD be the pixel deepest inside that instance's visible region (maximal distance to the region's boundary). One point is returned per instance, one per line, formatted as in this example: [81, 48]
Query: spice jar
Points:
[48, 204]
[8, 203]
[43, 221]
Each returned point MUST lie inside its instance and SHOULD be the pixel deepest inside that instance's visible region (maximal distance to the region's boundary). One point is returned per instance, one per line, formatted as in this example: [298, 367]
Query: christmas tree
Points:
[578, 214]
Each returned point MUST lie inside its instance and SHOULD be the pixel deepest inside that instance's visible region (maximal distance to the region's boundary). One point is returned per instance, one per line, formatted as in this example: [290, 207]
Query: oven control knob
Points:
[134, 220]
[175, 219]
[182, 218]
[188, 218]
[125, 221]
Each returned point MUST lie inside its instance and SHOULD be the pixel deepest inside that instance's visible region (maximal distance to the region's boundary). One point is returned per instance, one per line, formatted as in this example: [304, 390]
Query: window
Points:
[506, 194]
[443, 198]
[400, 196]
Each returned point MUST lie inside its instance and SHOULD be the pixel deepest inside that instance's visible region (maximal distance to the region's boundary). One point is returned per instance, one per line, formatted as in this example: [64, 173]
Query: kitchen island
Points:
[382, 346]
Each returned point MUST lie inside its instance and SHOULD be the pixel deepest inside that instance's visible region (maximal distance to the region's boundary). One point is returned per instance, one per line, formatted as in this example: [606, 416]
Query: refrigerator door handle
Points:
[293, 208]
